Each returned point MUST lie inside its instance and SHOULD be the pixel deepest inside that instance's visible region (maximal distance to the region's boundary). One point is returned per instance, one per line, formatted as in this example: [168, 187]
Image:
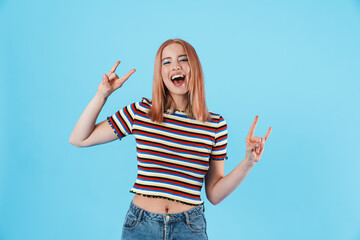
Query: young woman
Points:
[179, 144]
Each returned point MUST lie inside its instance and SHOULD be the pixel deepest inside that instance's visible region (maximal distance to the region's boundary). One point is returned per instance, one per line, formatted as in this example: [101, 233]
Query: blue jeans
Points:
[144, 225]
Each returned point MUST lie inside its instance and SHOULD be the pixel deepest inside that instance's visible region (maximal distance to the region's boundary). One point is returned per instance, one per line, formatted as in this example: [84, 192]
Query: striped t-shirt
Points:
[173, 156]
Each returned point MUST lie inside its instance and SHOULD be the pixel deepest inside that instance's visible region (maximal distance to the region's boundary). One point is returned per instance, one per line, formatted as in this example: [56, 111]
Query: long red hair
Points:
[161, 98]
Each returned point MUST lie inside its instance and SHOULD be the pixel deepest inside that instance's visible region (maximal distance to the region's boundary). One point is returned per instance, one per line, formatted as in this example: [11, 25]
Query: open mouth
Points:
[178, 80]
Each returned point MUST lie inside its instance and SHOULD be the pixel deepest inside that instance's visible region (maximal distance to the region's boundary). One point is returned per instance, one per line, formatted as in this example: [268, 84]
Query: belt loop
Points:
[187, 217]
[140, 214]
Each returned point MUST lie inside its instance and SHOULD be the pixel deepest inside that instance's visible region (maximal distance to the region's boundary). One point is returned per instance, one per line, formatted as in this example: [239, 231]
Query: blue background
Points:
[293, 63]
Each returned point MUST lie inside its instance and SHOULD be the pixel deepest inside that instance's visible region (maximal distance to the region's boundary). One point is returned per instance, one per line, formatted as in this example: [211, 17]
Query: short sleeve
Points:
[122, 121]
[219, 148]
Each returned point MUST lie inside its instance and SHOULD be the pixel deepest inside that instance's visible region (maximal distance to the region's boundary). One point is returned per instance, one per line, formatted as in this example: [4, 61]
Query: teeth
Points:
[176, 76]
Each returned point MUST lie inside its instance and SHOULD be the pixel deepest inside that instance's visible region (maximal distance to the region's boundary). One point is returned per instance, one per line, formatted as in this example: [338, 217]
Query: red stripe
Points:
[175, 149]
[191, 125]
[221, 138]
[133, 106]
[128, 115]
[116, 127]
[219, 156]
[145, 105]
[222, 128]
[167, 190]
[220, 147]
[176, 131]
[171, 139]
[170, 156]
[177, 183]
[167, 171]
[167, 164]
[123, 123]
[144, 115]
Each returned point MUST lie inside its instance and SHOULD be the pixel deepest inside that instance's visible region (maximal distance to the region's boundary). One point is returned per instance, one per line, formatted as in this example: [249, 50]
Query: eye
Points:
[165, 62]
[183, 59]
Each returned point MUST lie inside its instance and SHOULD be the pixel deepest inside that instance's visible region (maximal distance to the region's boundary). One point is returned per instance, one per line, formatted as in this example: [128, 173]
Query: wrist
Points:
[249, 163]
[99, 97]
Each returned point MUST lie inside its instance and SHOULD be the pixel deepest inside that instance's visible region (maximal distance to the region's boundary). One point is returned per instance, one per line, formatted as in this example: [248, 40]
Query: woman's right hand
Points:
[111, 81]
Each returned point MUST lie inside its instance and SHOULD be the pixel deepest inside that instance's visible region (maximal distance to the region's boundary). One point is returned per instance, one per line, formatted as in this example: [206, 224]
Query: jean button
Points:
[167, 218]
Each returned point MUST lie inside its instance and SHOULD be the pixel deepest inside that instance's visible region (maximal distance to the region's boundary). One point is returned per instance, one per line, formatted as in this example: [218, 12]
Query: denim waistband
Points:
[141, 213]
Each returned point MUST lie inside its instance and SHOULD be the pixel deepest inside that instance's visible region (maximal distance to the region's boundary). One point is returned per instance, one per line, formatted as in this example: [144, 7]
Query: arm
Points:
[85, 132]
[218, 186]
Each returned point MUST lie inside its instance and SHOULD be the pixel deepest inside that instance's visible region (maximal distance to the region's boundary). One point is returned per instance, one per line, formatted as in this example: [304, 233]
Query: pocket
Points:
[131, 221]
[197, 223]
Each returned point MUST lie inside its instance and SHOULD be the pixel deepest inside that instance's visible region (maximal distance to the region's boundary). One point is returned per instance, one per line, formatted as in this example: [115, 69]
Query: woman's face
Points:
[175, 69]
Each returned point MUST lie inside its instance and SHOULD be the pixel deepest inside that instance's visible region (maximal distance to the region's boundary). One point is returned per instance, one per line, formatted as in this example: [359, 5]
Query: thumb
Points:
[252, 146]
[105, 78]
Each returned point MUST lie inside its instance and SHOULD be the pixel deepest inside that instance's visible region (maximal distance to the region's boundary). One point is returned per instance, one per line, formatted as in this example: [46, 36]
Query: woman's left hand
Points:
[255, 145]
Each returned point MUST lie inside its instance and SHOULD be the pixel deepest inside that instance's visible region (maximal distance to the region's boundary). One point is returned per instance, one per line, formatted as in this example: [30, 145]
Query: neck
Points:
[181, 102]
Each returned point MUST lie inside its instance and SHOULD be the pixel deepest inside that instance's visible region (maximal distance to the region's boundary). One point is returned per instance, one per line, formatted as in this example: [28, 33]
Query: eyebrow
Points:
[184, 55]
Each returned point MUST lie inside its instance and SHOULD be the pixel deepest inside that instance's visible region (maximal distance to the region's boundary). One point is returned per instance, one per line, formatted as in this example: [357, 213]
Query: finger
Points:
[126, 76]
[255, 139]
[252, 128]
[262, 144]
[105, 78]
[268, 133]
[252, 141]
[113, 76]
[262, 149]
[252, 146]
[121, 81]
[113, 69]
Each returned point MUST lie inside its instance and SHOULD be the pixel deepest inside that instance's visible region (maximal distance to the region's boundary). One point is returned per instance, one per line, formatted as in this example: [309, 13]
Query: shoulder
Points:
[146, 102]
[143, 105]
[216, 118]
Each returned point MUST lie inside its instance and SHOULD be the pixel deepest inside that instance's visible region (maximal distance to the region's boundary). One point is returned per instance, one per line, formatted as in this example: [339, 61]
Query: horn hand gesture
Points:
[255, 145]
[111, 81]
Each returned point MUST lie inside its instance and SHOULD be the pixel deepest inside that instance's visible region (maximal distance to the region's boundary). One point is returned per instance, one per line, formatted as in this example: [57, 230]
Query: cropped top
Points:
[173, 156]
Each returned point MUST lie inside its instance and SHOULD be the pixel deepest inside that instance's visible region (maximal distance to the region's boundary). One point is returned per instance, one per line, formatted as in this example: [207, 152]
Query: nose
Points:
[176, 66]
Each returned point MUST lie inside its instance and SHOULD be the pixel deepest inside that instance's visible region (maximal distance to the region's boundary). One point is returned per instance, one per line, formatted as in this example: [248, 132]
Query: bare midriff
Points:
[160, 205]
